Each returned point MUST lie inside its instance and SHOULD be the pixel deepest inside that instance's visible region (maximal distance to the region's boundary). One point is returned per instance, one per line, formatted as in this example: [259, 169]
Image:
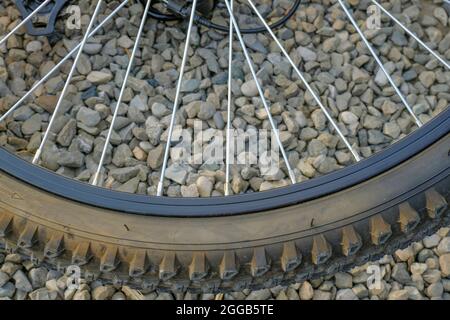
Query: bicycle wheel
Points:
[359, 118]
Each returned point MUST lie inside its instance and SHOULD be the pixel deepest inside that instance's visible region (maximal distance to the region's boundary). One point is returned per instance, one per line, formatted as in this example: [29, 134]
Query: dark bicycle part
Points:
[43, 23]
[374, 166]
[446, 6]
[253, 240]
[206, 7]
[181, 11]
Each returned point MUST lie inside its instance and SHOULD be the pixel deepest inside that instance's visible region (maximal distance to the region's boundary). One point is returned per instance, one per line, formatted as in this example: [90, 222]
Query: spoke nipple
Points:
[292, 176]
[160, 189]
[95, 181]
[226, 188]
[37, 155]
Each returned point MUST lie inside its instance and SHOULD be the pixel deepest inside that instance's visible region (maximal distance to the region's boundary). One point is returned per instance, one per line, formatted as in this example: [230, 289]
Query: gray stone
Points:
[22, 113]
[263, 294]
[103, 293]
[125, 42]
[371, 122]
[156, 157]
[431, 275]
[431, 241]
[400, 273]
[218, 120]
[119, 296]
[32, 125]
[67, 133]
[360, 75]
[98, 77]
[249, 88]
[164, 296]
[82, 295]
[346, 294]
[84, 65]
[418, 268]
[307, 54]
[43, 294]
[316, 148]
[190, 191]
[177, 172]
[160, 110]
[191, 85]
[71, 159]
[413, 293]
[122, 156]
[55, 84]
[154, 129]
[342, 100]
[204, 186]
[321, 295]
[399, 38]
[444, 263]
[38, 277]
[7, 290]
[343, 280]
[360, 291]
[33, 46]
[440, 14]
[21, 281]
[375, 137]
[392, 130]
[427, 78]
[319, 119]
[14, 258]
[348, 117]
[404, 254]
[4, 278]
[92, 48]
[88, 116]
[130, 186]
[306, 291]
[124, 174]
[398, 295]
[435, 290]
[206, 111]
[308, 134]
[139, 102]
[444, 246]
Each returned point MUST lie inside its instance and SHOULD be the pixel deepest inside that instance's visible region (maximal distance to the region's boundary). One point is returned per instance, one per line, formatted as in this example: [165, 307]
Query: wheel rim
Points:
[233, 205]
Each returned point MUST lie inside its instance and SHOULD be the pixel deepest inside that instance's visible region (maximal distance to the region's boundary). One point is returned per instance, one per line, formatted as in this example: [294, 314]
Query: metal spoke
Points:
[310, 89]
[445, 63]
[380, 64]
[228, 130]
[122, 91]
[25, 20]
[261, 93]
[66, 85]
[177, 98]
[67, 57]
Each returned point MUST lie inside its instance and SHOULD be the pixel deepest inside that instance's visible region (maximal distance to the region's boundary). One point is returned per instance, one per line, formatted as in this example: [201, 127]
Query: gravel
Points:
[352, 87]
[404, 275]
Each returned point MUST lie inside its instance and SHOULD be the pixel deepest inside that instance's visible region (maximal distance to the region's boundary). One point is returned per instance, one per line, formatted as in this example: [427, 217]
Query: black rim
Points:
[239, 204]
